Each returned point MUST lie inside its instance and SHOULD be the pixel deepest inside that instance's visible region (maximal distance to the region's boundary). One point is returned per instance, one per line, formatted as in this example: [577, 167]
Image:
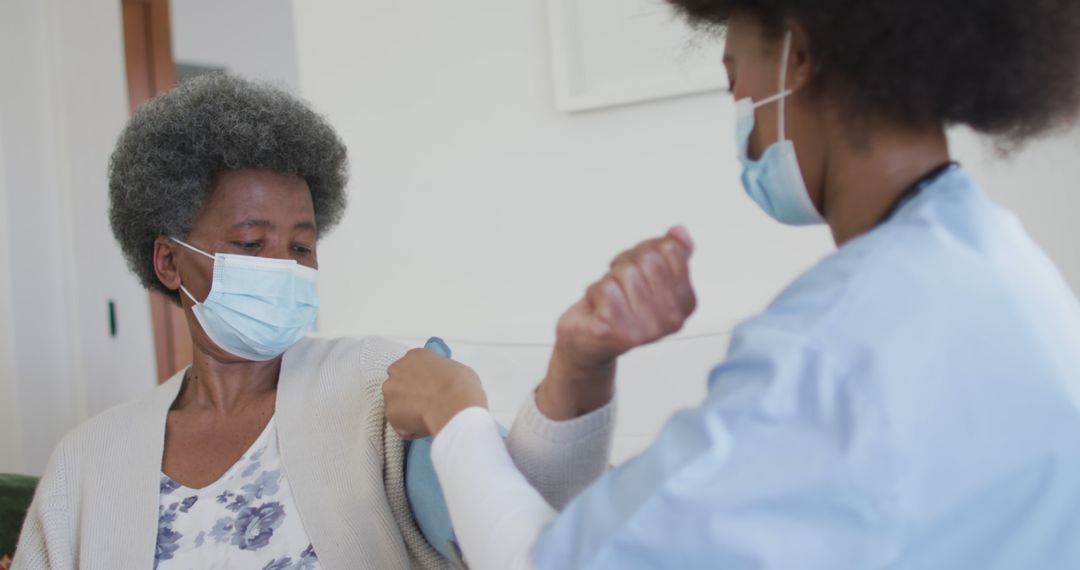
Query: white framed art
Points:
[607, 53]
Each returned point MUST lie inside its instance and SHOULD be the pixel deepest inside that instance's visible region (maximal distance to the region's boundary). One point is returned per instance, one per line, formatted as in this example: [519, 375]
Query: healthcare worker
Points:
[913, 401]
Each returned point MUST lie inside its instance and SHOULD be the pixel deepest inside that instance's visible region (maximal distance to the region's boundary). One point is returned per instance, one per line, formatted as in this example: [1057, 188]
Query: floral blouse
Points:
[246, 519]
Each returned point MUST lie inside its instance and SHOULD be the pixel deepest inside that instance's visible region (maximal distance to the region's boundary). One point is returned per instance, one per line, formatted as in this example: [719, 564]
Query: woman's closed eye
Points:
[250, 246]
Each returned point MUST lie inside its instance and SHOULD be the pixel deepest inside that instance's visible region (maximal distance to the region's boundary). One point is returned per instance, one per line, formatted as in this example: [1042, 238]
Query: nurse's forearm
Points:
[571, 390]
[496, 514]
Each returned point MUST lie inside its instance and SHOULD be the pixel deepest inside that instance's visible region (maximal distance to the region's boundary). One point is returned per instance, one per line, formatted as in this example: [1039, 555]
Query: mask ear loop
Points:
[783, 83]
[784, 93]
[770, 99]
[196, 250]
[188, 293]
[192, 248]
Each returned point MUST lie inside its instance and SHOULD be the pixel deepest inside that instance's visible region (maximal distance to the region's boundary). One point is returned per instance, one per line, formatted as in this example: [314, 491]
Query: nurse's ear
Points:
[800, 70]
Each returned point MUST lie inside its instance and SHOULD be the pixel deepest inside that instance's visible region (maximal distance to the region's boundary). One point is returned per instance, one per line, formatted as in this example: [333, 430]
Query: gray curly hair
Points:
[167, 156]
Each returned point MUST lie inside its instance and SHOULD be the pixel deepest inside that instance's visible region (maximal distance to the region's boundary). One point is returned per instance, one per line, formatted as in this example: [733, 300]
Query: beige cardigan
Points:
[97, 504]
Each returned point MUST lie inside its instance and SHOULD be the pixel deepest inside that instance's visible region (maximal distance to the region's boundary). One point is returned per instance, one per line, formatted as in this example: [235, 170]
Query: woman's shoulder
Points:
[120, 435]
[371, 352]
[325, 369]
[144, 412]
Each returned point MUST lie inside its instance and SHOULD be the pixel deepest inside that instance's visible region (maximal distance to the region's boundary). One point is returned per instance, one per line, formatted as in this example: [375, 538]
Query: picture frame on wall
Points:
[608, 53]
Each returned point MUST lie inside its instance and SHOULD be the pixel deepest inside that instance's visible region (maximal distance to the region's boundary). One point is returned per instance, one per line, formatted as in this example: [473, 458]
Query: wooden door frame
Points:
[151, 71]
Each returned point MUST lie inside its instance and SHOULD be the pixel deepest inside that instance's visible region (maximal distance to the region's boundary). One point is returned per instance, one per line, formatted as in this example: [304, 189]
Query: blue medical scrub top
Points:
[913, 401]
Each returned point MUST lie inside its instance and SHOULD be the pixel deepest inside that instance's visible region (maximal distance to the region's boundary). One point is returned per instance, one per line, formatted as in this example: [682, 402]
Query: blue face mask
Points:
[257, 306]
[774, 181]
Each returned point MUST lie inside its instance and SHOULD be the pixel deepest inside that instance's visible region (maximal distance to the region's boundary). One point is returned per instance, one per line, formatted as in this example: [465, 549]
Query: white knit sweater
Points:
[96, 506]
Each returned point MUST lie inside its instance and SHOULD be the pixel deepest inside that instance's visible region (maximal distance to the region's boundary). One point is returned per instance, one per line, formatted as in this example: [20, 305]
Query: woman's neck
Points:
[227, 387]
[863, 183]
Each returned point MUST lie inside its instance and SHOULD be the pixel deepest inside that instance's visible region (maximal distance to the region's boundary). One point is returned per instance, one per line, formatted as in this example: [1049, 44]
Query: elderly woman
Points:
[270, 450]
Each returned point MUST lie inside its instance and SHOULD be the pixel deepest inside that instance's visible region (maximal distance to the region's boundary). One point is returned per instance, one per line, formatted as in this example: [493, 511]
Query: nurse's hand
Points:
[424, 391]
[645, 296]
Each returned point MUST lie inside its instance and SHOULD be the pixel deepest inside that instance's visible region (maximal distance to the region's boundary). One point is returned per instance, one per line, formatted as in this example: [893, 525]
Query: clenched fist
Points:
[645, 296]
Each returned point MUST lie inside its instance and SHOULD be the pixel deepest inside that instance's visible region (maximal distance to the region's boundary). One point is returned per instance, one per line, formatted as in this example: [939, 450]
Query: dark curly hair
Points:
[1006, 68]
[167, 156]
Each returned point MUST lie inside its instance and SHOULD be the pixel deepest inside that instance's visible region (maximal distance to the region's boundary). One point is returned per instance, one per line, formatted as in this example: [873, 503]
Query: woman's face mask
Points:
[774, 181]
[257, 306]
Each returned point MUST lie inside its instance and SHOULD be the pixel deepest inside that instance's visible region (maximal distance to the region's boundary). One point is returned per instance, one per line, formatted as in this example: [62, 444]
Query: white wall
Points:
[62, 103]
[479, 213]
[10, 419]
[253, 38]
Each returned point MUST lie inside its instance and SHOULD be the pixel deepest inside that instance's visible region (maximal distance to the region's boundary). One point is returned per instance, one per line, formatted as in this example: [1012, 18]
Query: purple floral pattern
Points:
[256, 525]
[307, 561]
[245, 519]
[167, 538]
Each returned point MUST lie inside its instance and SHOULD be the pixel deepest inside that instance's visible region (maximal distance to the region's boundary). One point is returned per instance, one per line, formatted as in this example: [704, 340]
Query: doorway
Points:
[151, 71]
